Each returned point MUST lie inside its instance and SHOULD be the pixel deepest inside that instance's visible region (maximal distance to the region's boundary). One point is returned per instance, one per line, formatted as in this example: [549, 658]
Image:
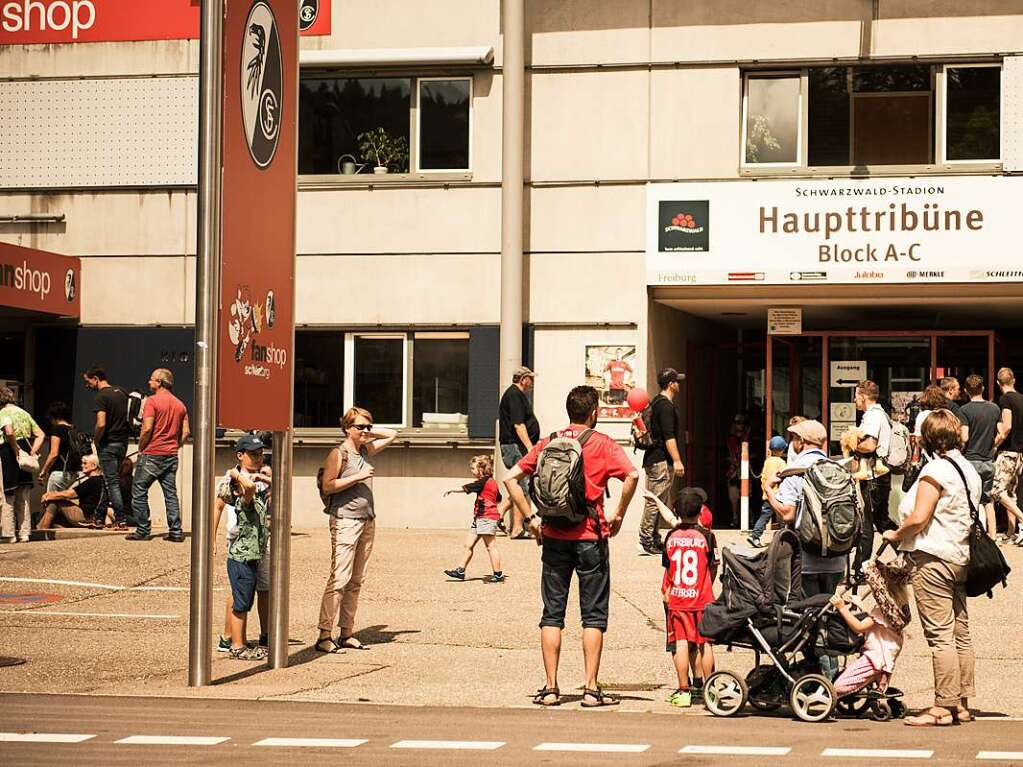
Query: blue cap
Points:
[248, 444]
[779, 443]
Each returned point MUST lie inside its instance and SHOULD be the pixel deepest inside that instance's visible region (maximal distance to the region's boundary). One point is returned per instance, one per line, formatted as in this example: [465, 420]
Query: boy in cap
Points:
[772, 465]
[246, 487]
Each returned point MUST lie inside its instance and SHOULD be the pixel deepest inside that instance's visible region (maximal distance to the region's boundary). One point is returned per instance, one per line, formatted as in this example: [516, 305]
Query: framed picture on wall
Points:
[611, 370]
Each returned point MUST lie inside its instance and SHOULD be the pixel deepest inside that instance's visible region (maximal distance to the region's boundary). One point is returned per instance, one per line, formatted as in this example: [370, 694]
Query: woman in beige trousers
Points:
[936, 517]
[348, 487]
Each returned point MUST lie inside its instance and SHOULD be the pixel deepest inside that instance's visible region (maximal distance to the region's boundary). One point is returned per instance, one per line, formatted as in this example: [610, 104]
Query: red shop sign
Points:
[25, 22]
[39, 281]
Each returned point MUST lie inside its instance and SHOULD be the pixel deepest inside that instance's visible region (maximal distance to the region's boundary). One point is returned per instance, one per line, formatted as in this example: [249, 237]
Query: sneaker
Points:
[681, 699]
[753, 541]
[248, 653]
[495, 578]
[223, 644]
[458, 574]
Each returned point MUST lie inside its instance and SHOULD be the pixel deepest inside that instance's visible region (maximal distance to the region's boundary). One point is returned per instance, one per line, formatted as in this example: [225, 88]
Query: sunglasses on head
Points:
[363, 426]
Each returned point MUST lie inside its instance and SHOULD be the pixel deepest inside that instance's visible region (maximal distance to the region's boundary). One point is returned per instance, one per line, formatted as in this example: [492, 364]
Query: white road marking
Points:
[619, 748]
[1007, 756]
[311, 742]
[89, 585]
[42, 737]
[879, 753]
[737, 750]
[93, 615]
[459, 745]
[170, 740]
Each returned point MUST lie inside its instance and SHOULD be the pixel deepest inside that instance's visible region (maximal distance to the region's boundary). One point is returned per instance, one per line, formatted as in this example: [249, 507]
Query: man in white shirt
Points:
[876, 437]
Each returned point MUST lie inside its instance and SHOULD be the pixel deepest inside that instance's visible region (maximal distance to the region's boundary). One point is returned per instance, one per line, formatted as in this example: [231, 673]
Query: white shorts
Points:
[484, 526]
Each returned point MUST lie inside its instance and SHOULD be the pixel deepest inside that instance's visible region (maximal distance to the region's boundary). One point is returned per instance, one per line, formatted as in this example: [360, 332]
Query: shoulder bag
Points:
[325, 498]
[987, 567]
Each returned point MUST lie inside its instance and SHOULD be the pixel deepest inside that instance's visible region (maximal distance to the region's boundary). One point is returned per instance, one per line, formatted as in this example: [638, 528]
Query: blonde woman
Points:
[347, 485]
[19, 433]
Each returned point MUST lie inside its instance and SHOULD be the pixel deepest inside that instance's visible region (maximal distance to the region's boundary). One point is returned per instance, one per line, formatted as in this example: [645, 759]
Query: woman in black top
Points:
[60, 469]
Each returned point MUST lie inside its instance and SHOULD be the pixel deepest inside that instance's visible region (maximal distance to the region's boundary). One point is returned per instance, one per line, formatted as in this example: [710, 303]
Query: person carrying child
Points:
[882, 640]
[486, 516]
[774, 463]
[247, 488]
[690, 566]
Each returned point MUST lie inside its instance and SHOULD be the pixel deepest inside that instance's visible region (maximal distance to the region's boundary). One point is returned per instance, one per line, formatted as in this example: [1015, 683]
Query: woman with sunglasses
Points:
[347, 485]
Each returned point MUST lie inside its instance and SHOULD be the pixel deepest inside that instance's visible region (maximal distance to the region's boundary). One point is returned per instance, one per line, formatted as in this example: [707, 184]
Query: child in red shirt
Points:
[486, 517]
[690, 566]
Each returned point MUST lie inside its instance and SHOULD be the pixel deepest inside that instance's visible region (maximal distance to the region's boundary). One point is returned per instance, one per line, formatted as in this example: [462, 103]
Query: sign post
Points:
[246, 270]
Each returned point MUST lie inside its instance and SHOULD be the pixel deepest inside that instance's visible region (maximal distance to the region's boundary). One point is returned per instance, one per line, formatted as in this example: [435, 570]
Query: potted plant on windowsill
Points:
[386, 152]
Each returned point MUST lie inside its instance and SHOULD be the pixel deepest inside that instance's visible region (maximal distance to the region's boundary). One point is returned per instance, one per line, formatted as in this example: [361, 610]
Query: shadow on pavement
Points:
[372, 635]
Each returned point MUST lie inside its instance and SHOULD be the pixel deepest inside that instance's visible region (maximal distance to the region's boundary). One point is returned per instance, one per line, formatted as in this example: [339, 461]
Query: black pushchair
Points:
[762, 608]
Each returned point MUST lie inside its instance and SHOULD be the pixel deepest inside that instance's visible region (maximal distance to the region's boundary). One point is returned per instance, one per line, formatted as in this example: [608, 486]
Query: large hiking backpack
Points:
[900, 450]
[558, 485]
[830, 519]
[645, 440]
[78, 446]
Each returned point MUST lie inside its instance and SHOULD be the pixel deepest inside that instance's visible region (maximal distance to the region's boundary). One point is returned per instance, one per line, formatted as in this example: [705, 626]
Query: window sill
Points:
[408, 438]
[874, 171]
[371, 180]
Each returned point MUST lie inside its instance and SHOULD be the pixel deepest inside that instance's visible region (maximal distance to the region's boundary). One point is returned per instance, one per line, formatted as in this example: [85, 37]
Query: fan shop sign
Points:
[848, 231]
[38, 281]
[25, 22]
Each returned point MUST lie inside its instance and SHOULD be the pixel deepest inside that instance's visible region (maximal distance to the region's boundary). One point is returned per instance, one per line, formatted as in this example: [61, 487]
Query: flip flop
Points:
[927, 719]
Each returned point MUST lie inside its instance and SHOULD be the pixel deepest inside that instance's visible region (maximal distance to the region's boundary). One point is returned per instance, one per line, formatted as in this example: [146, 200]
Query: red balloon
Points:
[638, 399]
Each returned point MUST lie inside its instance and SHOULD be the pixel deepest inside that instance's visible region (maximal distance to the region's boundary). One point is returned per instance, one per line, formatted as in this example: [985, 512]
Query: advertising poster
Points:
[260, 168]
[611, 370]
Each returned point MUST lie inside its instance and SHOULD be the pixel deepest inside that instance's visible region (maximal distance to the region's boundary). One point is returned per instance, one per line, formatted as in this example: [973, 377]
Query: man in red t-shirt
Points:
[164, 430]
[581, 549]
[617, 384]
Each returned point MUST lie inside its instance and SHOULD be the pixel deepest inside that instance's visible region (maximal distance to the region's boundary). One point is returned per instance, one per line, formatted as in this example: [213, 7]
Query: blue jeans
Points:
[110, 457]
[766, 513]
[150, 469]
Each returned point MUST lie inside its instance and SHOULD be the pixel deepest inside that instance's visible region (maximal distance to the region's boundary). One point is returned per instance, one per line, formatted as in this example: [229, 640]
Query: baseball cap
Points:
[690, 499]
[522, 372]
[248, 444]
[811, 431]
[778, 443]
[669, 375]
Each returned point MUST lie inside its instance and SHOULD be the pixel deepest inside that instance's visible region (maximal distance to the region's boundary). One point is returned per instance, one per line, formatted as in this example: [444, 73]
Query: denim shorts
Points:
[243, 576]
[589, 561]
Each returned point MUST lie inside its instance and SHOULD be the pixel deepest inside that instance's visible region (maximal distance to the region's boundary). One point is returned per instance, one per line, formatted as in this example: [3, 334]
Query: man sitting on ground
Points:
[79, 503]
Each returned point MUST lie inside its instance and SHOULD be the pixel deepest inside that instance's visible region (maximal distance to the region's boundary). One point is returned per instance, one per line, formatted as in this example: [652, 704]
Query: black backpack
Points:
[645, 440]
[78, 446]
[987, 567]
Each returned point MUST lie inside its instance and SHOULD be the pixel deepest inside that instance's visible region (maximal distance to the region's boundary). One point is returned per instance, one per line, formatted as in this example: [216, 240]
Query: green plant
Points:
[760, 142]
[380, 148]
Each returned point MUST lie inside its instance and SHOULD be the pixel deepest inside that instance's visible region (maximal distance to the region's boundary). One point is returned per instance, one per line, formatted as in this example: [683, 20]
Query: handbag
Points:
[987, 567]
[27, 461]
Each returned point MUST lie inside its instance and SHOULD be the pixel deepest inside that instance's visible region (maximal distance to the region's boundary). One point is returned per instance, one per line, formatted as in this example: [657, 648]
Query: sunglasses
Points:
[363, 426]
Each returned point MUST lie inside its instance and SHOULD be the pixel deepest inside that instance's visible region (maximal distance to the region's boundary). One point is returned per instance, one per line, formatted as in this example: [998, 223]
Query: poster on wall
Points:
[611, 370]
[836, 231]
[901, 400]
[260, 172]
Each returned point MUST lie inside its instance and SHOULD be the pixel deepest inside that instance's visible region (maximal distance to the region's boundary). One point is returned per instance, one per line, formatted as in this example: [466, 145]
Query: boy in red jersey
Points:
[690, 566]
[486, 515]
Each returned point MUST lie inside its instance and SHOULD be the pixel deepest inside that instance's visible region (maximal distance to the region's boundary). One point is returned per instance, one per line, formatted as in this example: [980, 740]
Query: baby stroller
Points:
[762, 608]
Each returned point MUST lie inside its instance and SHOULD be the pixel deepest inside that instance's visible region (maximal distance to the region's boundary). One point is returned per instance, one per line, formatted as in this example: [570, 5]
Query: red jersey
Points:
[168, 414]
[688, 555]
[603, 459]
[618, 370]
[487, 498]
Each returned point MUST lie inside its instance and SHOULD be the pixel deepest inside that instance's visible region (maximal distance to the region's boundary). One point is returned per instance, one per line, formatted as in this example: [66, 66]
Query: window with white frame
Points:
[355, 125]
[898, 114]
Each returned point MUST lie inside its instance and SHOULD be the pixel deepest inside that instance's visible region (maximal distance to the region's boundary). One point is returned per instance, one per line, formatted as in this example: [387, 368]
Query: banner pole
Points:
[207, 290]
[280, 550]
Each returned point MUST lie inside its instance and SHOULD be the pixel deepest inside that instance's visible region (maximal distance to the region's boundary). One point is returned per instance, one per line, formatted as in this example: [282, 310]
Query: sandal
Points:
[328, 645]
[351, 643]
[600, 699]
[927, 719]
[541, 696]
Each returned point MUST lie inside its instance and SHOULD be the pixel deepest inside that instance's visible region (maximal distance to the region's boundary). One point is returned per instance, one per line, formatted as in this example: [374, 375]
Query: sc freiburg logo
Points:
[262, 83]
[308, 13]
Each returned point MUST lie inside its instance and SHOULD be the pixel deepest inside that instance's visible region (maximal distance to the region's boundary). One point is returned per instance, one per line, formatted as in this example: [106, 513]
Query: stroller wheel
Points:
[813, 698]
[725, 693]
[880, 711]
[852, 705]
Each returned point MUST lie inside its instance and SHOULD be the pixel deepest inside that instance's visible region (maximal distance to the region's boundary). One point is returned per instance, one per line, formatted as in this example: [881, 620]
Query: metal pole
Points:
[207, 295]
[280, 550]
[513, 73]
